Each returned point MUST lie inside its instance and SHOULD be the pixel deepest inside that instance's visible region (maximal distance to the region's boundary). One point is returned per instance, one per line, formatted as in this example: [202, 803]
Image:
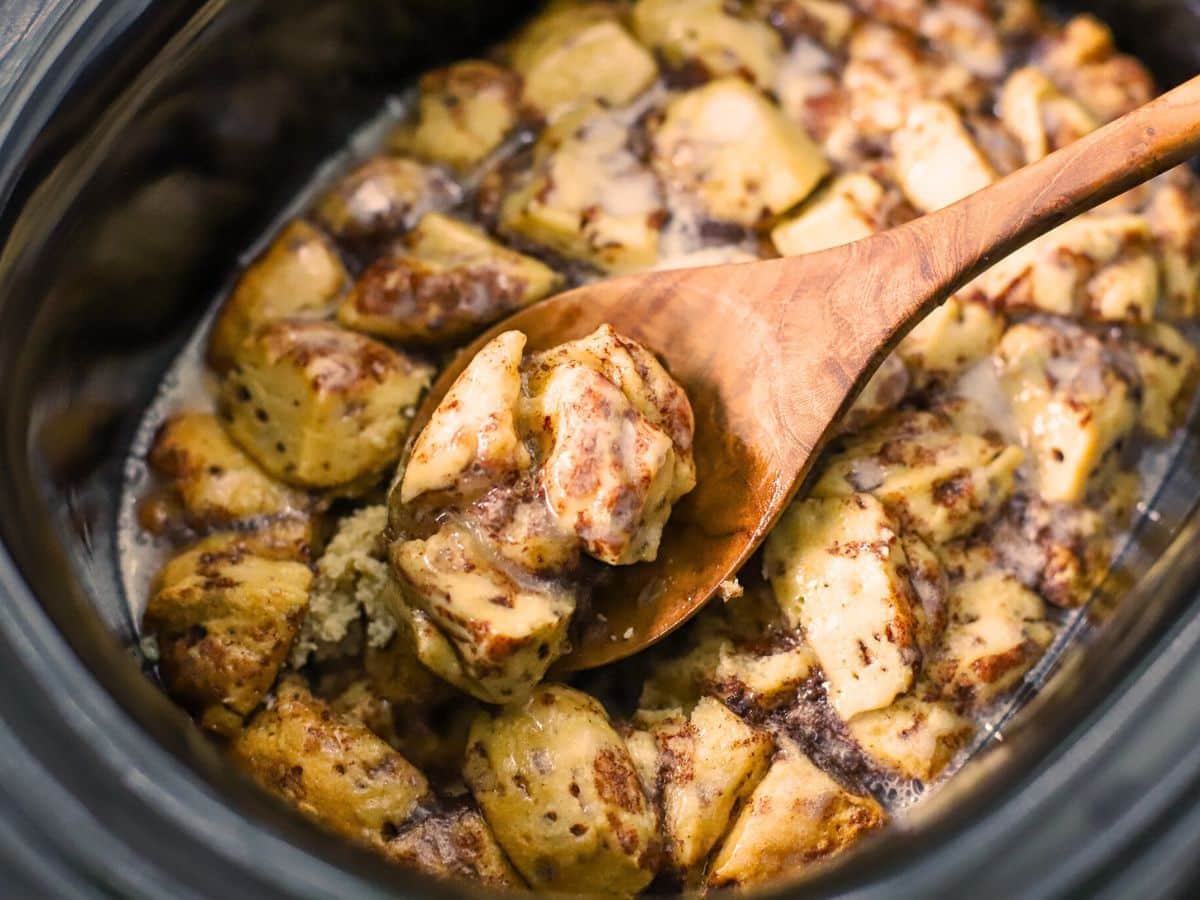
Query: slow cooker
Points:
[143, 143]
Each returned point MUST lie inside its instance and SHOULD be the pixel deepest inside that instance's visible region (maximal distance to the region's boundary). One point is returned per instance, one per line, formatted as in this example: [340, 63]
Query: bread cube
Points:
[589, 198]
[1097, 266]
[577, 52]
[464, 112]
[829, 22]
[330, 767]
[703, 34]
[700, 148]
[968, 33]
[559, 789]
[937, 161]
[884, 391]
[884, 77]
[319, 406]
[1040, 116]
[646, 384]
[447, 281]
[951, 338]
[610, 477]
[938, 481]
[455, 844]
[224, 619]
[765, 676]
[848, 210]
[796, 817]
[617, 443]
[890, 74]
[384, 196]
[434, 650]
[839, 572]
[1083, 61]
[584, 446]
[1174, 217]
[913, 738]
[212, 482]
[505, 633]
[698, 768]
[751, 665]
[471, 441]
[739, 650]
[1072, 402]
[1167, 363]
[300, 276]
[277, 541]
[997, 631]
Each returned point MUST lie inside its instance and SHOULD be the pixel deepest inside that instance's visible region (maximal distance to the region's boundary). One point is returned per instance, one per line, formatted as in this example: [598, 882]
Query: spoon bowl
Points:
[772, 353]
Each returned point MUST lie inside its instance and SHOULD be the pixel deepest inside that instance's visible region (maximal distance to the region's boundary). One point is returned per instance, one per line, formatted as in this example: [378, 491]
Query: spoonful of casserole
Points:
[640, 436]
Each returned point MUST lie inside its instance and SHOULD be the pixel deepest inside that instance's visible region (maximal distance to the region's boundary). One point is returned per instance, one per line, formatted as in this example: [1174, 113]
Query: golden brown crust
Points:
[695, 150]
[445, 282]
[464, 112]
[936, 479]
[211, 483]
[559, 789]
[224, 620]
[384, 197]
[578, 52]
[320, 406]
[455, 844]
[300, 276]
[588, 196]
[330, 767]
[997, 631]
[697, 769]
[914, 738]
[708, 38]
[796, 817]
[433, 305]
[840, 573]
[1074, 401]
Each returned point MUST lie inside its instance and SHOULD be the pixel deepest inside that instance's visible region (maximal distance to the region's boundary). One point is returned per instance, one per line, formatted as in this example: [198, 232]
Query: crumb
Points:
[353, 582]
[730, 589]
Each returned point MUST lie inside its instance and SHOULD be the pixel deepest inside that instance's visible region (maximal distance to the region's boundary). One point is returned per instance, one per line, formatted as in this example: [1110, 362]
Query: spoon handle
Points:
[959, 242]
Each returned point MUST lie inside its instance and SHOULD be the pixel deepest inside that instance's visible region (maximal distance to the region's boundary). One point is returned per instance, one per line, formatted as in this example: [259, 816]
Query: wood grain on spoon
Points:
[772, 353]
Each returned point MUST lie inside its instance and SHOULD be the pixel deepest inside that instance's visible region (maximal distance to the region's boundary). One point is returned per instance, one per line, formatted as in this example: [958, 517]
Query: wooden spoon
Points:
[772, 353]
